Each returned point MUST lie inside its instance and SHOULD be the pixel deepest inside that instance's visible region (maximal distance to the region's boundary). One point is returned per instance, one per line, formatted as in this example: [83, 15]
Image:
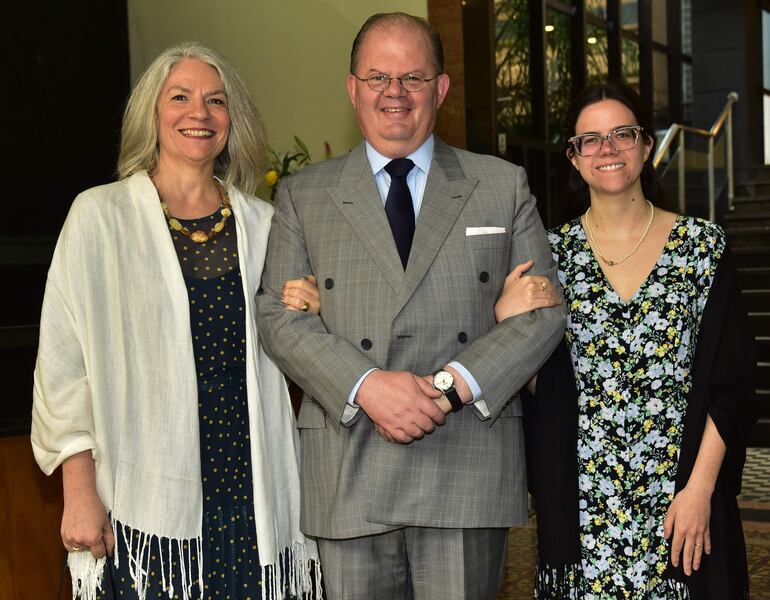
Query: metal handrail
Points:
[677, 130]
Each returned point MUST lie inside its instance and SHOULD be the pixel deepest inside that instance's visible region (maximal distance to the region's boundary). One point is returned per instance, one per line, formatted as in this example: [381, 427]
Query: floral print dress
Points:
[632, 363]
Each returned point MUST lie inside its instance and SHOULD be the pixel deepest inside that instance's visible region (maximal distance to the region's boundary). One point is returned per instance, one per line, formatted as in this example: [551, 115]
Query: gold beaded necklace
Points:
[200, 236]
[612, 263]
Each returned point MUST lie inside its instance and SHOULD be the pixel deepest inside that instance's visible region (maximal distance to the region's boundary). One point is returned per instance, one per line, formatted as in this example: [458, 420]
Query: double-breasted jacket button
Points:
[483, 277]
[366, 344]
[462, 337]
[329, 283]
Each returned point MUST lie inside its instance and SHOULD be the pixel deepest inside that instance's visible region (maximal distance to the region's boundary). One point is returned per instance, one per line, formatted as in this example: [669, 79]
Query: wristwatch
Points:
[444, 382]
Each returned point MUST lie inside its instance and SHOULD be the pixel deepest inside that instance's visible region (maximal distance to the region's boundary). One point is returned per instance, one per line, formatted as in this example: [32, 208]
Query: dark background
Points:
[67, 75]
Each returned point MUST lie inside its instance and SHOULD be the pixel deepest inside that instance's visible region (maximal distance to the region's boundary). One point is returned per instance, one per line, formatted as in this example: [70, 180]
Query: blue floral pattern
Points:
[632, 364]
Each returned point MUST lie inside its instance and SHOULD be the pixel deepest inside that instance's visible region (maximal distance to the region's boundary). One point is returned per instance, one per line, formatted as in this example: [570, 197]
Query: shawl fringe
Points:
[296, 570]
[138, 545]
[87, 573]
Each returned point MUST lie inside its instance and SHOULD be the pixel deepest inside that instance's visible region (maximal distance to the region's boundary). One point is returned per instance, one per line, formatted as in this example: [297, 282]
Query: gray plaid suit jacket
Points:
[329, 220]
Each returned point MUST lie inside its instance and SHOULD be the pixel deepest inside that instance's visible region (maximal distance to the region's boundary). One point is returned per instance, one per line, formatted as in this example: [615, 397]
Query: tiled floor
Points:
[755, 510]
[754, 500]
[756, 476]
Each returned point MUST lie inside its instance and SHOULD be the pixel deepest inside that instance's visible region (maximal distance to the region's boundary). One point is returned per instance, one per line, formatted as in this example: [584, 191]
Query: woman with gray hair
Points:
[173, 429]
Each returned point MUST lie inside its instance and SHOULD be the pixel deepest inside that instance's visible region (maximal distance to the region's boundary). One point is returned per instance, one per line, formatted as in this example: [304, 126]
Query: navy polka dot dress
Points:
[231, 567]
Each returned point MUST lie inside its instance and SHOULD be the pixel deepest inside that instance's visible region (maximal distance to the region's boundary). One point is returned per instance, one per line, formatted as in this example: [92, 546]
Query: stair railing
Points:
[677, 131]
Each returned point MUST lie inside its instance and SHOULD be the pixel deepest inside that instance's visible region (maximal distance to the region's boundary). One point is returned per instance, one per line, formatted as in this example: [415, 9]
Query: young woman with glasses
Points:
[638, 424]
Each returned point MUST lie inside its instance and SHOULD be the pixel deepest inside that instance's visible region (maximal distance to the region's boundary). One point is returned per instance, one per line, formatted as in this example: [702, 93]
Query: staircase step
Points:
[763, 348]
[751, 203]
[760, 435]
[756, 300]
[763, 396]
[749, 235]
[763, 375]
[753, 188]
[744, 218]
[738, 215]
[759, 322]
[752, 278]
[747, 256]
[759, 173]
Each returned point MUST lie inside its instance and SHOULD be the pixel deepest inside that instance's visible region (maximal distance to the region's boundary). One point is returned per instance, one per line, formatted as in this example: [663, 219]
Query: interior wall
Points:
[293, 56]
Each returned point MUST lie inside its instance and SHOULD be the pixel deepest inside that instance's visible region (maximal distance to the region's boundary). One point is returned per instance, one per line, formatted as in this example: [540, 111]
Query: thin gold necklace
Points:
[612, 263]
[199, 236]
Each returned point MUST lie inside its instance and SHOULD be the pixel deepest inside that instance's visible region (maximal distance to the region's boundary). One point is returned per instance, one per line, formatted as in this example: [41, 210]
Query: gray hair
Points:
[243, 160]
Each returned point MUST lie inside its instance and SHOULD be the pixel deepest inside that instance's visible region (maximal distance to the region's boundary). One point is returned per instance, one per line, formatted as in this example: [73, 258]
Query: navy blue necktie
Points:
[399, 208]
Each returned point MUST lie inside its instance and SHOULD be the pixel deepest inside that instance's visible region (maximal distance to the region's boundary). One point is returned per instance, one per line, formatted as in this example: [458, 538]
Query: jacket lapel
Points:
[359, 202]
[446, 192]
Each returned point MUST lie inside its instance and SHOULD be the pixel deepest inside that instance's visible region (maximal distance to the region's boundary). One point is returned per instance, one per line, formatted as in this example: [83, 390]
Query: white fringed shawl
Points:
[115, 374]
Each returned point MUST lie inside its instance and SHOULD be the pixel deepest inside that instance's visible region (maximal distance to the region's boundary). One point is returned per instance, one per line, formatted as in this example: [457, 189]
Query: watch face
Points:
[443, 380]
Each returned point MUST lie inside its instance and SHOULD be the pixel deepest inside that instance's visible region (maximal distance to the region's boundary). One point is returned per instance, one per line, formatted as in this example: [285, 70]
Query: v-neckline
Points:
[603, 276]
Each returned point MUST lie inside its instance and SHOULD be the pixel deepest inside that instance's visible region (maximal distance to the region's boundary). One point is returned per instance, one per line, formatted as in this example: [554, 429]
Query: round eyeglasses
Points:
[622, 138]
[379, 82]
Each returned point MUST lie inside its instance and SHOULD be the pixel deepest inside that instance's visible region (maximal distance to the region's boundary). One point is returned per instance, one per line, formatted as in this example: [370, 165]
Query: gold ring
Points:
[305, 306]
[76, 549]
[699, 545]
[543, 284]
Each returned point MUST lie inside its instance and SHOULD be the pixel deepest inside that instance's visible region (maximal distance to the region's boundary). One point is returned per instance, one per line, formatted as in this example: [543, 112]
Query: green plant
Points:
[283, 165]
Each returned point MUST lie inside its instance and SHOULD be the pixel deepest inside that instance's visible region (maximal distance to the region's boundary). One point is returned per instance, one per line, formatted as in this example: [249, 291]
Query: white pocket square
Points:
[483, 230]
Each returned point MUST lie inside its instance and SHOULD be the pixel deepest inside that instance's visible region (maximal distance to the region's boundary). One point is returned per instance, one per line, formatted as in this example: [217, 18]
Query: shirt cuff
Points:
[352, 409]
[478, 403]
[469, 379]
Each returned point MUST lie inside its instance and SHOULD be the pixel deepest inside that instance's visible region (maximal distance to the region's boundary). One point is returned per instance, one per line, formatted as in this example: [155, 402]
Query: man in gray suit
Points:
[409, 496]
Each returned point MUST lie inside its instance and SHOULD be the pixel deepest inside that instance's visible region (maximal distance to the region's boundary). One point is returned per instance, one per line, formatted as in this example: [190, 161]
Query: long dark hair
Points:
[578, 194]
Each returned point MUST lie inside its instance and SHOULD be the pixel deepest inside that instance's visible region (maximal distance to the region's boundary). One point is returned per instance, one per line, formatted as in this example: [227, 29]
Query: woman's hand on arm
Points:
[523, 293]
[296, 292]
[687, 521]
[85, 524]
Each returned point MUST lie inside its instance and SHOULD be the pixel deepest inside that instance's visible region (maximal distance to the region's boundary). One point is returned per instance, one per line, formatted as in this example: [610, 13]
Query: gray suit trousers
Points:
[416, 563]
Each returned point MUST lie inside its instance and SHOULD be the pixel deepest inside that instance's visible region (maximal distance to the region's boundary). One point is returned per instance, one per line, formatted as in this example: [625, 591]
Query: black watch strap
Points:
[454, 399]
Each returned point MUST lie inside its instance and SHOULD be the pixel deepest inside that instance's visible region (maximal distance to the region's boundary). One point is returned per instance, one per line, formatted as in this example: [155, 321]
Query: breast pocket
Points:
[488, 241]
[489, 255]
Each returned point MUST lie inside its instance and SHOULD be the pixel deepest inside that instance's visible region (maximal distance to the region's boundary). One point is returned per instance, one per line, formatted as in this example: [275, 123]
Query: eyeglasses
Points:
[381, 82]
[622, 138]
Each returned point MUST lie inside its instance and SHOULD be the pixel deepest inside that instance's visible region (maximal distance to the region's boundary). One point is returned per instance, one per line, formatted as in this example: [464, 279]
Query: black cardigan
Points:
[723, 387]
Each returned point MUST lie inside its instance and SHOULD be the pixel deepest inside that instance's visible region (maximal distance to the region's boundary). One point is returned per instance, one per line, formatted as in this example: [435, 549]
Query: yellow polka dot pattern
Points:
[231, 568]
